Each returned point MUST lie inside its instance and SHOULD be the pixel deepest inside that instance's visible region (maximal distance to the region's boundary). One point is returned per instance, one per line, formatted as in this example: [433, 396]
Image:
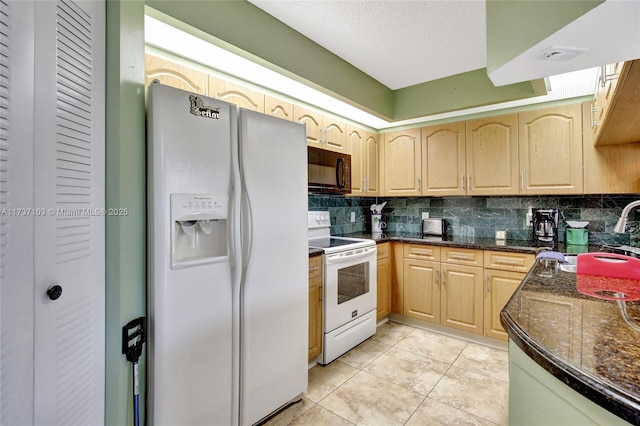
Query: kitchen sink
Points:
[572, 264]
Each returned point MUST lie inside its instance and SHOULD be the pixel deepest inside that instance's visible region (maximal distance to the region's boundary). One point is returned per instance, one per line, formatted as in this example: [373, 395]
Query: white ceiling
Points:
[399, 43]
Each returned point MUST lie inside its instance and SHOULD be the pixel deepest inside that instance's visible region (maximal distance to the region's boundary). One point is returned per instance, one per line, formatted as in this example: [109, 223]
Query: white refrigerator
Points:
[227, 255]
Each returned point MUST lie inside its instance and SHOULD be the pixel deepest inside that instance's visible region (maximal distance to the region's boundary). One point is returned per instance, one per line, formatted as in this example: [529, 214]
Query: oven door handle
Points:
[333, 259]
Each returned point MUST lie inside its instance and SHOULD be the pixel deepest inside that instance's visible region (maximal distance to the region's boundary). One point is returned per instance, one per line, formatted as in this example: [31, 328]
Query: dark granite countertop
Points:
[584, 341]
[315, 252]
[517, 246]
[520, 246]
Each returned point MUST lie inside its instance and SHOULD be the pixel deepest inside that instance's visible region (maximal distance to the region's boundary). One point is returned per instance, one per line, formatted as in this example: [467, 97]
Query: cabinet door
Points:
[550, 146]
[609, 169]
[402, 163]
[175, 75]
[422, 290]
[313, 121]
[278, 108]
[372, 148]
[315, 306]
[234, 93]
[358, 152]
[397, 278]
[443, 159]
[462, 298]
[492, 155]
[608, 77]
[499, 287]
[335, 134]
[384, 288]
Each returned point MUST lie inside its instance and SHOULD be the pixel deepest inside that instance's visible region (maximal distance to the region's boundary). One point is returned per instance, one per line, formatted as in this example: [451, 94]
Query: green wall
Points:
[125, 188]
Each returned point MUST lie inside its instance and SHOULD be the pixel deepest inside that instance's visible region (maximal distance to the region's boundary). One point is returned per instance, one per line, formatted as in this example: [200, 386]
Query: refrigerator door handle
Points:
[245, 229]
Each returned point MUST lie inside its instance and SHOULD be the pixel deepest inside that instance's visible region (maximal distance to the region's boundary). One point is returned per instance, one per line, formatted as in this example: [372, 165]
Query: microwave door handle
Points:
[339, 166]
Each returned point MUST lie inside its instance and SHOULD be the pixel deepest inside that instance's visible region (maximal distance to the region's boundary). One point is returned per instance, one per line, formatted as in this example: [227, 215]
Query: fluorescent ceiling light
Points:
[171, 39]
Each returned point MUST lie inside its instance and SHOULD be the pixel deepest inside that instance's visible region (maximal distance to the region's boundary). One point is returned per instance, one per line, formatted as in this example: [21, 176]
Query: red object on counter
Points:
[608, 276]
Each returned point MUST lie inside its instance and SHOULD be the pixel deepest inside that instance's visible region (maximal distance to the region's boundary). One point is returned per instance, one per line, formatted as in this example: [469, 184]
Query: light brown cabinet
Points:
[322, 131]
[504, 271]
[384, 281]
[364, 148]
[609, 169]
[402, 163]
[278, 108]
[421, 282]
[237, 94]
[315, 306]
[175, 75]
[616, 106]
[462, 298]
[550, 150]
[443, 159]
[457, 287]
[492, 155]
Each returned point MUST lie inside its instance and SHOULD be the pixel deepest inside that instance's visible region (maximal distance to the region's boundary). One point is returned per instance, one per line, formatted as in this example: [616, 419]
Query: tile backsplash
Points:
[482, 216]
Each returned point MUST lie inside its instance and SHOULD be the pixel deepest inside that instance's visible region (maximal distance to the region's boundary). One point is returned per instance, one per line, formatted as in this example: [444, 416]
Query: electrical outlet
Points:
[353, 216]
[528, 221]
[425, 215]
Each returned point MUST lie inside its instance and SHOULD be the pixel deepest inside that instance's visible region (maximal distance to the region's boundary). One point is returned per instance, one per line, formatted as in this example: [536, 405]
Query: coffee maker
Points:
[545, 225]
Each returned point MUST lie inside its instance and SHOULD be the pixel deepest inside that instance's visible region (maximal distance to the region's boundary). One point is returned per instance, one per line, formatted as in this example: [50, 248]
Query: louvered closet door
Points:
[16, 231]
[69, 242]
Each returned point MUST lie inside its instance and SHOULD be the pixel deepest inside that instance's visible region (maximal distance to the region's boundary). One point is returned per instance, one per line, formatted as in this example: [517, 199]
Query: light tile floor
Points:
[406, 376]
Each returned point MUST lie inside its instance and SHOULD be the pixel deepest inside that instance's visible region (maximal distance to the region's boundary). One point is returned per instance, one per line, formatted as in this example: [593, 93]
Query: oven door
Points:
[350, 286]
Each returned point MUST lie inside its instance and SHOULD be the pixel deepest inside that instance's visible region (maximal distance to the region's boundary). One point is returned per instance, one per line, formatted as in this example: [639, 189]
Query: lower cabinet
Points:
[504, 271]
[461, 299]
[422, 290]
[315, 306]
[458, 288]
[384, 281]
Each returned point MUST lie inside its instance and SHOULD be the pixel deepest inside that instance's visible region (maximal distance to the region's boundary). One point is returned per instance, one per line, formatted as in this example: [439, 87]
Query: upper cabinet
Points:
[492, 155]
[278, 108]
[550, 147]
[234, 93]
[609, 169]
[364, 148]
[174, 75]
[402, 163]
[443, 159]
[322, 132]
[615, 113]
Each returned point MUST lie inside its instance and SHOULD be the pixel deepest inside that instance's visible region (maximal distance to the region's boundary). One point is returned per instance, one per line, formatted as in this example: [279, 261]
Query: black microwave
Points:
[329, 172]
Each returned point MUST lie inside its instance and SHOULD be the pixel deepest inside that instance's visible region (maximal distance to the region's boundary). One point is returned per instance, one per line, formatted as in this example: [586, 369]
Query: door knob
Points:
[54, 292]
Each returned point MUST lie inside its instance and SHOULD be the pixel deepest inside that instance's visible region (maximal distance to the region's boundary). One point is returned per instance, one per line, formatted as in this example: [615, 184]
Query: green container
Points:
[577, 236]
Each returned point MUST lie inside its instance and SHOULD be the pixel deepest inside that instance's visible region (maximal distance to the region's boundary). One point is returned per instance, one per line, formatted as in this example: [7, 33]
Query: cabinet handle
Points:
[486, 285]
[443, 278]
[421, 253]
[437, 274]
[462, 182]
[521, 180]
[604, 77]
[591, 117]
[461, 257]
[314, 268]
[468, 182]
[418, 184]
[507, 262]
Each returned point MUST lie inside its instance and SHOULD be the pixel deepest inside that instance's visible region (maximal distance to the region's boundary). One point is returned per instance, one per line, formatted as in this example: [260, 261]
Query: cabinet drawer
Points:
[461, 256]
[520, 262]
[383, 250]
[315, 267]
[420, 252]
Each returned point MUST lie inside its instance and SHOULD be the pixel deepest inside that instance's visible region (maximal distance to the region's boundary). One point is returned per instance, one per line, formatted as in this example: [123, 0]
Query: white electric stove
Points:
[349, 287]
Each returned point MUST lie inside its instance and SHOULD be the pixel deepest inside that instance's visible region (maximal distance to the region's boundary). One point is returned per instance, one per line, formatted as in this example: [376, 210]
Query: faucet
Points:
[622, 222]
